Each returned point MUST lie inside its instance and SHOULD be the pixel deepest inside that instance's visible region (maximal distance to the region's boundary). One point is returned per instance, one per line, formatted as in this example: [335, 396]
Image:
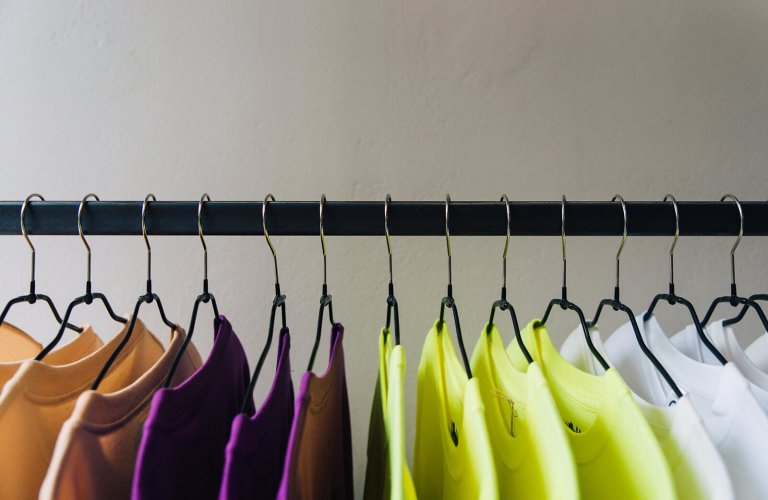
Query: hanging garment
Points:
[318, 463]
[96, 449]
[442, 468]
[387, 475]
[40, 397]
[697, 469]
[255, 453]
[181, 454]
[617, 455]
[732, 417]
[758, 352]
[532, 454]
[16, 345]
[688, 342]
[79, 347]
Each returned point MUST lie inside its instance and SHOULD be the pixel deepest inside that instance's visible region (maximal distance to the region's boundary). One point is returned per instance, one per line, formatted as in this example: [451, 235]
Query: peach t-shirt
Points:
[40, 397]
[15, 344]
[96, 450]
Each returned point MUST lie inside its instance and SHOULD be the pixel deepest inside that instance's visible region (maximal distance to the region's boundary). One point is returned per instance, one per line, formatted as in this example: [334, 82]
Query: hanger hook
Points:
[24, 229]
[267, 199]
[322, 239]
[562, 244]
[448, 237]
[144, 235]
[505, 199]
[623, 237]
[738, 240]
[669, 197]
[203, 199]
[82, 236]
[387, 201]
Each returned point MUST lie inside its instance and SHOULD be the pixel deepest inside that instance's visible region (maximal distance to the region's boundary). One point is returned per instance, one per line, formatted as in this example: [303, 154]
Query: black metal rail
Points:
[366, 218]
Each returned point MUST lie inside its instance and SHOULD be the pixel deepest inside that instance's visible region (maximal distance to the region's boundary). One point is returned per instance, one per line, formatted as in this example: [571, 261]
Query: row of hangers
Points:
[614, 303]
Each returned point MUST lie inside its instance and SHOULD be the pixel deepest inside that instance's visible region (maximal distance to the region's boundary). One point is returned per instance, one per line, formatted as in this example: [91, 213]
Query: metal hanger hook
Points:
[387, 201]
[738, 239]
[505, 199]
[267, 199]
[623, 237]
[24, 229]
[144, 233]
[203, 199]
[669, 197]
[322, 239]
[448, 237]
[82, 236]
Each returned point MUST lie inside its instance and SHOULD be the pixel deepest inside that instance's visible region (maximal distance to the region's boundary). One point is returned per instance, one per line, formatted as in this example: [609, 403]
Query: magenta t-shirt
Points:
[256, 450]
[318, 463]
[181, 454]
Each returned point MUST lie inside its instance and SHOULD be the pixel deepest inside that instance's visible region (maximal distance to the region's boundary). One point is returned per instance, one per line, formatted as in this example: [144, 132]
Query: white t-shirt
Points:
[758, 352]
[732, 417]
[697, 469]
[723, 338]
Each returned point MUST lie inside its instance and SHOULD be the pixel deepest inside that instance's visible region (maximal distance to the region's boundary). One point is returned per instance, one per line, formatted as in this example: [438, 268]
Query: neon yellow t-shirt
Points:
[617, 455]
[387, 474]
[533, 456]
[442, 469]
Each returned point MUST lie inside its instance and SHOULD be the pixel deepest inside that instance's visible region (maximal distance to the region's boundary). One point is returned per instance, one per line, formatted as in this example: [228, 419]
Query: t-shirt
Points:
[96, 450]
[255, 453]
[387, 475]
[181, 454]
[733, 419]
[758, 352]
[532, 454]
[40, 397]
[80, 346]
[697, 469]
[617, 455]
[723, 338]
[318, 463]
[447, 400]
[16, 345]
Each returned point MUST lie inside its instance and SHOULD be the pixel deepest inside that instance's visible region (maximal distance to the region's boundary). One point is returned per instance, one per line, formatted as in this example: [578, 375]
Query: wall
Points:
[358, 99]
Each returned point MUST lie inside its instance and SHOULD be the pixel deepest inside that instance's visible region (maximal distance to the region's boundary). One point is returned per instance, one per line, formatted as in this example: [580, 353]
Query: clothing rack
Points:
[406, 218]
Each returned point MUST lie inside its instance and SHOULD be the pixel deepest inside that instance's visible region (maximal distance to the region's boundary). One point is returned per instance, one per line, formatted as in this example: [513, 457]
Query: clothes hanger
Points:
[391, 300]
[325, 299]
[33, 296]
[88, 297]
[278, 301]
[616, 304]
[734, 299]
[565, 304]
[147, 298]
[203, 298]
[672, 299]
[502, 303]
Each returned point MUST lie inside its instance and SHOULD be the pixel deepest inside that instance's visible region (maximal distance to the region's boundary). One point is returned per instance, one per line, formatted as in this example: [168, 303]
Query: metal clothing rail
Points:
[406, 218]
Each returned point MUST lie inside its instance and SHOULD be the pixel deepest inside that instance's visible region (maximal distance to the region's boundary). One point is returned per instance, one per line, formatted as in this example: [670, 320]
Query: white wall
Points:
[356, 99]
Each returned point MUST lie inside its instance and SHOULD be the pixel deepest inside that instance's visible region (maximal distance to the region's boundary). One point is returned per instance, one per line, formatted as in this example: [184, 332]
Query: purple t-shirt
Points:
[318, 463]
[256, 450]
[181, 454]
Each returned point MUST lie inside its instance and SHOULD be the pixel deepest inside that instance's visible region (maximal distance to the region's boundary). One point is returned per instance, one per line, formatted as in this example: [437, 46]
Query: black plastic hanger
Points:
[616, 304]
[88, 297]
[391, 300]
[203, 298]
[734, 300]
[565, 304]
[33, 296]
[325, 299]
[278, 301]
[502, 303]
[672, 299]
[147, 298]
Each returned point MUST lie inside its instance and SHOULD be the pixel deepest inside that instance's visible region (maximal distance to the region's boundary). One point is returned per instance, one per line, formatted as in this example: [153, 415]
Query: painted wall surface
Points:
[358, 99]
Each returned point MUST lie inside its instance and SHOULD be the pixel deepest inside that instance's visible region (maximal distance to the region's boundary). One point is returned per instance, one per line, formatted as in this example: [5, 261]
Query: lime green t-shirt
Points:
[533, 456]
[442, 469]
[387, 475]
[617, 455]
